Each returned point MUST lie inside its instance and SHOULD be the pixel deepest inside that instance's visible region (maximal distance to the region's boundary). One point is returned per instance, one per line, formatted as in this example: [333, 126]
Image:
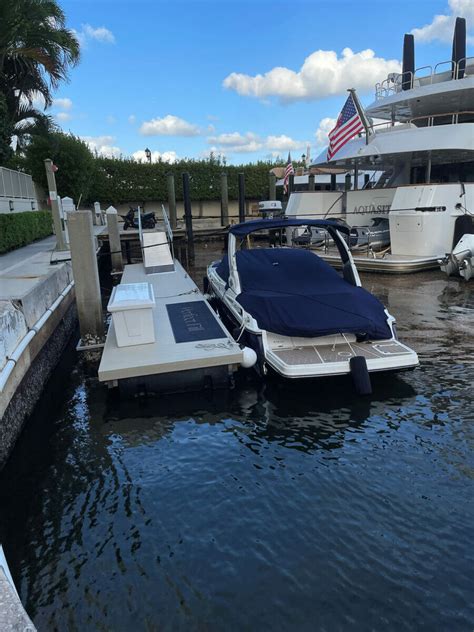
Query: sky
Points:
[247, 80]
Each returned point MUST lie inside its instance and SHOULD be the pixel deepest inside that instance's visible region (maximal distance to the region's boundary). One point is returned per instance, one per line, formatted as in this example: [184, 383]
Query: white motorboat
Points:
[303, 318]
[423, 152]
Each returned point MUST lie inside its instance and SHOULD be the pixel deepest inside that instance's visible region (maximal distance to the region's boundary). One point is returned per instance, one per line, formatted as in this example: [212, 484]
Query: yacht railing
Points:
[430, 118]
[397, 82]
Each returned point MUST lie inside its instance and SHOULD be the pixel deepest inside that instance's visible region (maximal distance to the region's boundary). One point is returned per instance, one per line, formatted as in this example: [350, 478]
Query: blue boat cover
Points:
[294, 292]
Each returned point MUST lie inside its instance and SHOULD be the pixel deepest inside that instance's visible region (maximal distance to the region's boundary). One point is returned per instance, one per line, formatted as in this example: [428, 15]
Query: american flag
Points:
[288, 172]
[348, 125]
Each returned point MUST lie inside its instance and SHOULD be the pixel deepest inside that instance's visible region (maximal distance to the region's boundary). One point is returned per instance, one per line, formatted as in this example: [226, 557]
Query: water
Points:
[274, 506]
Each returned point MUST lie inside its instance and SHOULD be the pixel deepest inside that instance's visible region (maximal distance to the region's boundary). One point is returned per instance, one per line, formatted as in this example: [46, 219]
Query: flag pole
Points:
[361, 112]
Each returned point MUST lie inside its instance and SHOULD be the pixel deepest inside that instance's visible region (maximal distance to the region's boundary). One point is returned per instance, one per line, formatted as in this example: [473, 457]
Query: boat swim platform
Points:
[192, 348]
[391, 264]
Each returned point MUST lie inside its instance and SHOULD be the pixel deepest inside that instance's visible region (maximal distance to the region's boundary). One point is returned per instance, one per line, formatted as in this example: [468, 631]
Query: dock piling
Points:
[241, 197]
[272, 187]
[53, 196]
[188, 218]
[86, 276]
[171, 200]
[291, 184]
[311, 182]
[224, 200]
[333, 182]
[114, 239]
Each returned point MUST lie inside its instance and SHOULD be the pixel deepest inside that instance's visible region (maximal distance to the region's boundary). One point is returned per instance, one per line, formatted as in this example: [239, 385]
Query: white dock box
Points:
[131, 306]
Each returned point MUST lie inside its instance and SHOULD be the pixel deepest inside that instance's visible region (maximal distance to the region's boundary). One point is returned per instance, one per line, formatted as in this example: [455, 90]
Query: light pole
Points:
[148, 155]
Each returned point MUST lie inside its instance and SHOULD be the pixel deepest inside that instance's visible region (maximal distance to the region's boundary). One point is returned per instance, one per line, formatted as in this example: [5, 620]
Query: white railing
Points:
[14, 184]
[396, 82]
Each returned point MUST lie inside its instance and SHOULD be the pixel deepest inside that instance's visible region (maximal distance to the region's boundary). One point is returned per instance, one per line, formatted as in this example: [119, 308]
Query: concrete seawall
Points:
[37, 318]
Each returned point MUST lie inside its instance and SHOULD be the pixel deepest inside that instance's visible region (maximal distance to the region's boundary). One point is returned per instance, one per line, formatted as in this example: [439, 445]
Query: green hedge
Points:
[20, 229]
[122, 180]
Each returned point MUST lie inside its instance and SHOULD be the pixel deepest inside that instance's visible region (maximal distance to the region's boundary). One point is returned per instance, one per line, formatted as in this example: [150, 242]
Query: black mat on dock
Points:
[193, 321]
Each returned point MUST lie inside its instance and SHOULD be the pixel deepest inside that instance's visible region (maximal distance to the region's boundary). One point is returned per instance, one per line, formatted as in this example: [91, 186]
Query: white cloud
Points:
[322, 74]
[169, 125]
[236, 142]
[103, 145]
[64, 104]
[325, 126]
[63, 116]
[98, 34]
[132, 119]
[111, 120]
[166, 156]
[284, 143]
[249, 142]
[441, 27]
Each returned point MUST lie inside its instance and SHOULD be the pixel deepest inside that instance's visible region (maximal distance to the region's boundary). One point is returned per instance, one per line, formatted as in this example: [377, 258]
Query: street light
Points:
[148, 154]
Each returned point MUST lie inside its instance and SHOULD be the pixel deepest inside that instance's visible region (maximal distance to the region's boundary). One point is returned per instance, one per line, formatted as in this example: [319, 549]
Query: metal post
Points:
[114, 239]
[86, 275]
[428, 168]
[53, 196]
[333, 182]
[366, 180]
[347, 182]
[224, 200]
[241, 197]
[311, 182]
[171, 200]
[188, 217]
[272, 187]
[356, 175]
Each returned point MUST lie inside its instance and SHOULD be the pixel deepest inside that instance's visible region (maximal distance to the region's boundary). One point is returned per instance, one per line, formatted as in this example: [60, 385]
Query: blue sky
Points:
[181, 76]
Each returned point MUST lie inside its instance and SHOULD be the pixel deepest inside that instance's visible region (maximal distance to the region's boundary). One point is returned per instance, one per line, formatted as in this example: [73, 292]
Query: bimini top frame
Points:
[334, 229]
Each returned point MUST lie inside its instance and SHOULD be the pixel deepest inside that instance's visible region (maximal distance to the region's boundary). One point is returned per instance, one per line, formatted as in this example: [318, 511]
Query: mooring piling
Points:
[53, 196]
[291, 184]
[224, 200]
[333, 182]
[272, 187]
[241, 197]
[86, 276]
[114, 239]
[311, 182]
[171, 200]
[188, 218]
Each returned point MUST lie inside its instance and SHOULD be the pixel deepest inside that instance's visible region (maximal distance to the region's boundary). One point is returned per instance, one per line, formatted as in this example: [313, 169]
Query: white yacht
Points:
[423, 155]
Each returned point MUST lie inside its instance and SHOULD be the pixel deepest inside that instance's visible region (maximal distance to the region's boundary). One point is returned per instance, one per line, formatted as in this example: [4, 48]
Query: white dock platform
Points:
[188, 334]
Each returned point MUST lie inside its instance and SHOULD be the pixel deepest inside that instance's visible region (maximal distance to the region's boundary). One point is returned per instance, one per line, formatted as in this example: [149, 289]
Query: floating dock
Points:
[192, 348]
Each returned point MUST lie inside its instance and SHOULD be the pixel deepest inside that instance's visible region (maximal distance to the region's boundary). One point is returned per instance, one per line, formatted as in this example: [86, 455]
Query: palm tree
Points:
[36, 53]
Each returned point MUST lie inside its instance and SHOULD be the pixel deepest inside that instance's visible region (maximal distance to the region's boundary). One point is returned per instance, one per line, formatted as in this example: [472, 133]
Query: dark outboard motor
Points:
[459, 48]
[131, 219]
[408, 66]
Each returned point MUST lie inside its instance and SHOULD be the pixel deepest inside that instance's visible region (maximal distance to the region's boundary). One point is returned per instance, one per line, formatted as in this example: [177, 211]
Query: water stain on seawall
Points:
[291, 506]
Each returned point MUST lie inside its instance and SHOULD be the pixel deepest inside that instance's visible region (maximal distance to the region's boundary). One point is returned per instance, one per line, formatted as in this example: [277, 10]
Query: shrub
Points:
[73, 158]
[20, 229]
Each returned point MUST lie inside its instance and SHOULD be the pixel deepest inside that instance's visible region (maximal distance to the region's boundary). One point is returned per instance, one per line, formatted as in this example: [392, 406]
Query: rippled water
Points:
[274, 506]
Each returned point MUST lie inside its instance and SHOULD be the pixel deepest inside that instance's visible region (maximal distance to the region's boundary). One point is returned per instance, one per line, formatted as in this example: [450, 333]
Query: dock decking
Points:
[188, 334]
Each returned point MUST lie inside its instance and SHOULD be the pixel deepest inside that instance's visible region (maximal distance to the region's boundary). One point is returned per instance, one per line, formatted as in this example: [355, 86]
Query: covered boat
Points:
[301, 316]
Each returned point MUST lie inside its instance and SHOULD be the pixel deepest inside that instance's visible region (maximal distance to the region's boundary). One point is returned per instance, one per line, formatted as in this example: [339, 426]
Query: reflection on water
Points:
[290, 506]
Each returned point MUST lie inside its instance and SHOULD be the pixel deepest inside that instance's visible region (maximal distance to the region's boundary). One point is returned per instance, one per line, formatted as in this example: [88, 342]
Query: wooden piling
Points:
[272, 186]
[311, 182]
[53, 196]
[224, 200]
[171, 200]
[114, 239]
[333, 182]
[86, 276]
[188, 218]
[291, 184]
[241, 197]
